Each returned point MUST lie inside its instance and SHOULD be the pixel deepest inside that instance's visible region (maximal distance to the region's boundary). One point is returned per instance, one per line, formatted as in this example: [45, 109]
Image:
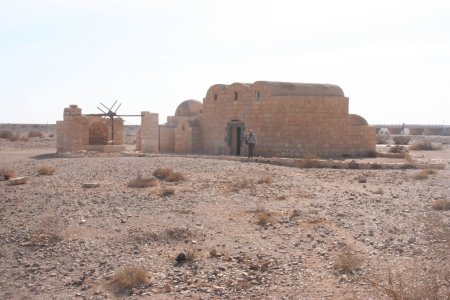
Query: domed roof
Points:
[357, 120]
[189, 108]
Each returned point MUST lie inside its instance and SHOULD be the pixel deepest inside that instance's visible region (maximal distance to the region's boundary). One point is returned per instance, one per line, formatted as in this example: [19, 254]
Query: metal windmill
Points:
[111, 112]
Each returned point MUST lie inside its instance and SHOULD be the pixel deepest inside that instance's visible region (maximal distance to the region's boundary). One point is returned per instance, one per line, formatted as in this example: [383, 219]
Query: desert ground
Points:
[220, 229]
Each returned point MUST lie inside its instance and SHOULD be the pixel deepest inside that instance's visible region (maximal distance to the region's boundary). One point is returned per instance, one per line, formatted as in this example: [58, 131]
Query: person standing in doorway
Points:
[251, 142]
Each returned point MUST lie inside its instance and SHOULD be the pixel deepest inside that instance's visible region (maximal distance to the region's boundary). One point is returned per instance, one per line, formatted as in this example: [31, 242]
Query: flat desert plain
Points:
[220, 229]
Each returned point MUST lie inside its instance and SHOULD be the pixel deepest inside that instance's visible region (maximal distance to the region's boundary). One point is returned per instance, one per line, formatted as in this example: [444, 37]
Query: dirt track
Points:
[60, 240]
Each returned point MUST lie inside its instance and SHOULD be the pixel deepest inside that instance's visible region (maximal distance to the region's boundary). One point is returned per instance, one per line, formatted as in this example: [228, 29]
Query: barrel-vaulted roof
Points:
[300, 89]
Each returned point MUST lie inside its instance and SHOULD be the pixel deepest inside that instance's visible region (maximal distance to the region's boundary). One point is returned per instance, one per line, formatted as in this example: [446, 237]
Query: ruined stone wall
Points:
[149, 132]
[183, 137]
[69, 133]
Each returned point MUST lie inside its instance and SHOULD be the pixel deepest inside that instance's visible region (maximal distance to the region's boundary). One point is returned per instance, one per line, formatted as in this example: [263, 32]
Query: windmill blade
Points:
[105, 106]
[117, 108]
[113, 105]
[101, 110]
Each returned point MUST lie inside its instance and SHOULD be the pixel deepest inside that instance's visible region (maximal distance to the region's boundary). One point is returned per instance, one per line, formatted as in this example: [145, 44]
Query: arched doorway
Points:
[98, 134]
[235, 132]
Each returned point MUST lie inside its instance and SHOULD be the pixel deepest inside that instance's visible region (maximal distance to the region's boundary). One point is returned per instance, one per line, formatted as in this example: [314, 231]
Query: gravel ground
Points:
[249, 230]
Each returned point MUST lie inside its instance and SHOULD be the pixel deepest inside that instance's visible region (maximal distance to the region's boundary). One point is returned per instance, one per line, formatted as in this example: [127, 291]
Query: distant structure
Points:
[413, 129]
[101, 132]
[289, 120]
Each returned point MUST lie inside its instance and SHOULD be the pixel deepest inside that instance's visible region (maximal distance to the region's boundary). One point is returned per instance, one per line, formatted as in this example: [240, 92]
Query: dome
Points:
[357, 120]
[189, 108]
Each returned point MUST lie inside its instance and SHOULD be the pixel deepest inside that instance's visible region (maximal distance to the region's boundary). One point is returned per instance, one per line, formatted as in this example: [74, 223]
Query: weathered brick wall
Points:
[166, 139]
[69, 132]
[149, 132]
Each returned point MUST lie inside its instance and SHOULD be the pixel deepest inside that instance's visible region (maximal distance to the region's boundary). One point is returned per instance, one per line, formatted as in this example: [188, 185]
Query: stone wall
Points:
[149, 134]
[285, 125]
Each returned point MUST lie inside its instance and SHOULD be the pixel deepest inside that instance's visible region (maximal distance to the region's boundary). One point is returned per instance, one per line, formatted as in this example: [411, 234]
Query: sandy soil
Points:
[59, 240]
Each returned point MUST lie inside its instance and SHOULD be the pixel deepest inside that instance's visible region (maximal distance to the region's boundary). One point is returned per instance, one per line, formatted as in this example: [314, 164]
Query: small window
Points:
[235, 96]
[215, 97]
[258, 95]
[183, 128]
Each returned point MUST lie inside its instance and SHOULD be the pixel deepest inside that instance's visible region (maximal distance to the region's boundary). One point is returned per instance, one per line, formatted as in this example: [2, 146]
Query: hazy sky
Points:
[391, 58]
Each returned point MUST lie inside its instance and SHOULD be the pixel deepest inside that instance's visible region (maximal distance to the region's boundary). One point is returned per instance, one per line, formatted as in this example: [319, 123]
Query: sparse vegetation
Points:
[35, 133]
[264, 218]
[383, 139]
[142, 182]
[397, 149]
[401, 139]
[5, 134]
[129, 278]
[347, 261]
[46, 170]
[265, 180]
[241, 184]
[168, 175]
[6, 174]
[441, 204]
[423, 174]
[48, 231]
[168, 191]
[415, 283]
[176, 234]
[423, 145]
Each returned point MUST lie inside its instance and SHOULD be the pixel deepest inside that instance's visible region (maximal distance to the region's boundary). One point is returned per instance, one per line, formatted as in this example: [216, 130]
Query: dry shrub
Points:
[142, 182]
[168, 175]
[265, 180]
[14, 137]
[397, 149]
[6, 174]
[382, 139]
[129, 278]
[415, 283]
[441, 204]
[48, 232]
[24, 138]
[422, 145]
[168, 191]
[264, 218]
[423, 174]
[169, 235]
[347, 261]
[35, 133]
[401, 139]
[241, 184]
[5, 134]
[46, 170]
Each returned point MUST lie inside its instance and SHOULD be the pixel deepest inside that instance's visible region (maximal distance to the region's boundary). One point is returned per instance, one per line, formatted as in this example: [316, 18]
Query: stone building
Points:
[289, 120]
